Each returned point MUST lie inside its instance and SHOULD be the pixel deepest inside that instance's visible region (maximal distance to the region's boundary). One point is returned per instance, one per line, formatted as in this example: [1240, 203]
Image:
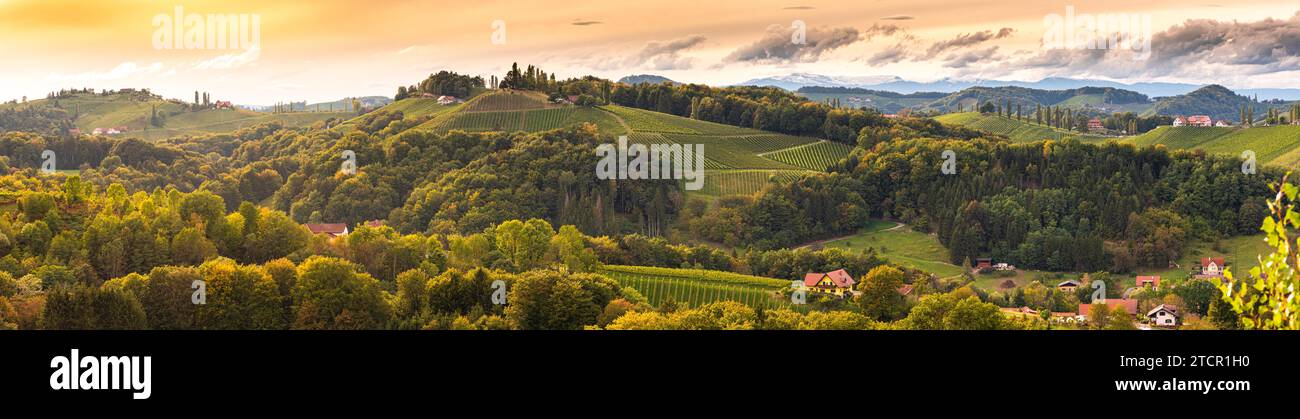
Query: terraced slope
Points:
[695, 287]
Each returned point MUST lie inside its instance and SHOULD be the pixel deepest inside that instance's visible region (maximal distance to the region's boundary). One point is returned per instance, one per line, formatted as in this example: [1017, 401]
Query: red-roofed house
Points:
[1180, 121]
[1199, 121]
[905, 289]
[1152, 282]
[1212, 267]
[836, 282]
[1094, 124]
[1149, 281]
[333, 230]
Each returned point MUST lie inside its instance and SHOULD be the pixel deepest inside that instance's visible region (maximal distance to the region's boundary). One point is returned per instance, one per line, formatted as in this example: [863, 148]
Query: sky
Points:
[328, 49]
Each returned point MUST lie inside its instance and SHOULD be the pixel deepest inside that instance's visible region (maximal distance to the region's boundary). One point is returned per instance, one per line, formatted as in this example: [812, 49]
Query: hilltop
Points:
[645, 78]
[1105, 99]
[1214, 100]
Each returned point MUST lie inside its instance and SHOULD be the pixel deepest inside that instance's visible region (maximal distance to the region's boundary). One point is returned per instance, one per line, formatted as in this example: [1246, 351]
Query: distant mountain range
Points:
[899, 85]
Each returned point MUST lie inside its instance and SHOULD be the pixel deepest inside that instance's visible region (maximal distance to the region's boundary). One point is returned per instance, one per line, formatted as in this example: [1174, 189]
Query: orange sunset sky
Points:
[328, 49]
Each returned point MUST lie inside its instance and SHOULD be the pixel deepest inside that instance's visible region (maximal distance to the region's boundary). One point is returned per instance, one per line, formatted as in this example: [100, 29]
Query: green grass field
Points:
[649, 121]
[694, 287]
[1018, 131]
[213, 121]
[1278, 145]
[901, 245]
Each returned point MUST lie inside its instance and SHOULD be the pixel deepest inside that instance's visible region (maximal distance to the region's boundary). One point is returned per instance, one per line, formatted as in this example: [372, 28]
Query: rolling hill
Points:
[133, 109]
[1276, 145]
[1216, 101]
[737, 160]
[1104, 99]
[1017, 131]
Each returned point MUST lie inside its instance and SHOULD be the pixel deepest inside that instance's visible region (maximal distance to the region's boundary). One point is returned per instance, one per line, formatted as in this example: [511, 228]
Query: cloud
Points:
[897, 17]
[777, 45]
[881, 30]
[798, 8]
[1199, 49]
[121, 71]
[229, 61]
[890, 55]
[965, 40]
[586, 22]
[967, 58]
[666, 55]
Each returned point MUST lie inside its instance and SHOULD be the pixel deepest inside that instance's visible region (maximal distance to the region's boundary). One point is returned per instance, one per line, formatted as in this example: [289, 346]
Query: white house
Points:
[1163, 315]
[447, 100]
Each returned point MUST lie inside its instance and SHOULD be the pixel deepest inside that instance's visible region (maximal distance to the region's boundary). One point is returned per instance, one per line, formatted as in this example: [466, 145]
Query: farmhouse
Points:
[1068, 285]
[447, 100]
[224, 104]
[1212, 267]
[1199, 121]
[1094, 124]
[1152, 282]
[983, 263]
[1222, 123]
[1163, 315]
[837, 282]
[332, 230]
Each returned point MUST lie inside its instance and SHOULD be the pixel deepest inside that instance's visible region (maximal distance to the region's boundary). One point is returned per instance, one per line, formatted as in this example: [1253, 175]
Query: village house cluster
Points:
[1162, 315]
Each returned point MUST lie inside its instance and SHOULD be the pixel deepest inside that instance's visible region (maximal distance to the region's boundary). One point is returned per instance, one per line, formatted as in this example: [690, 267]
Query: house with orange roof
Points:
[1128, 305]
[1151, 282]
[837, 282]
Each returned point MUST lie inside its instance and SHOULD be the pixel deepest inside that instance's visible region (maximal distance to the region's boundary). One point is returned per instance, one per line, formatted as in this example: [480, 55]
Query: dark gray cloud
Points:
[777, 46]
[881, 30]
[1200, 48]
[967, 58]
[966, 40]
[898, 17]
[666, 55]
[586, 22]
[890, 55]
